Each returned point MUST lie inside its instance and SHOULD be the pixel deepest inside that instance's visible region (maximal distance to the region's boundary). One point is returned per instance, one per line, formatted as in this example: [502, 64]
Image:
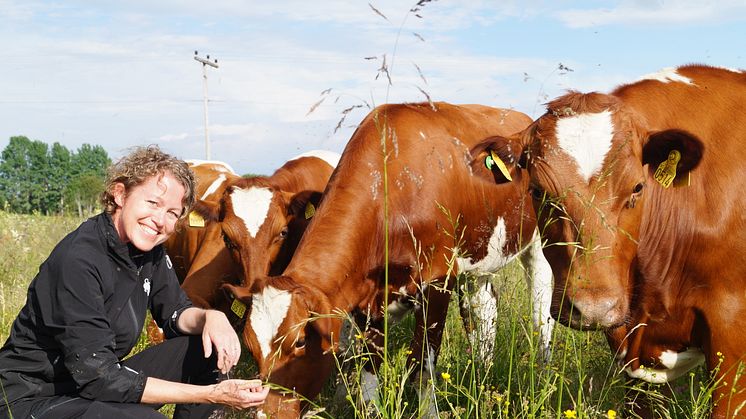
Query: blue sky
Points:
[122, 74]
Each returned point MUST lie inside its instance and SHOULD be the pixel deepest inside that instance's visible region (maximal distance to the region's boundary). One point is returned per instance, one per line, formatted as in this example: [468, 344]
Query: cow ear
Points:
[303, 204]
[235, 293]
[671, 155]
[494, 159]
[208, 210]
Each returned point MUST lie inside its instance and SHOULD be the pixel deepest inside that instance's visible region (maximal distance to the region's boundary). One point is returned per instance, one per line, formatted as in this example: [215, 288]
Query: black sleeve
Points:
[168, 300]
[71, 302]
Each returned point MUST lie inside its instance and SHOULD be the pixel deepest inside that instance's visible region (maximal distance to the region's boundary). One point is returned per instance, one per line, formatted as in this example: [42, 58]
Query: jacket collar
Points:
[124, 252]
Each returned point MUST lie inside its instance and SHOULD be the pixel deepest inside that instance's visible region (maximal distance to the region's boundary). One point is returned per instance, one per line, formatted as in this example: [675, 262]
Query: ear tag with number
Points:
[494, 159]
[196, 220]
[666, 172]
[238, 307]
[310, 211]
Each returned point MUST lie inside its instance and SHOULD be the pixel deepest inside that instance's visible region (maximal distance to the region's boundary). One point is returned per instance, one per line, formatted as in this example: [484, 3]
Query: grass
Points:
[582, 380]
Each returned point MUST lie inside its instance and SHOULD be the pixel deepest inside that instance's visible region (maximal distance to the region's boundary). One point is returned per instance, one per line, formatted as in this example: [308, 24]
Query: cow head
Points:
[261, 225]
[291, 335]
[591, 162]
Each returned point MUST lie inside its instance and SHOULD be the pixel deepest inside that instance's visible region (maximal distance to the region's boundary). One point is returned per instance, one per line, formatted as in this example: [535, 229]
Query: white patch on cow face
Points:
[268, 310]
[667, 75]
[676, 363]
[587, 139]
[495, 257]
[330, 157]
[213, 186]
[251, 205]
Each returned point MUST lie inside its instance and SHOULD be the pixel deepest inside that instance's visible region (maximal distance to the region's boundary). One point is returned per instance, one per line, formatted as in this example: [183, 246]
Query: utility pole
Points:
[205, 62]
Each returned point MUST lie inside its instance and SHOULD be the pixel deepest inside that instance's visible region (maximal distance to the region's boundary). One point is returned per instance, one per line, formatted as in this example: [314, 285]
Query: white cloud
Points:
[172, 137]
[643, 12]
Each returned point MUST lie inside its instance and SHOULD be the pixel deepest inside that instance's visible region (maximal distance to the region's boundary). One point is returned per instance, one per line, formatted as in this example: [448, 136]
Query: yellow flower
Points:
[359, 336]
[611, 414]
[446, 376]
[409, 352]
[571, 414]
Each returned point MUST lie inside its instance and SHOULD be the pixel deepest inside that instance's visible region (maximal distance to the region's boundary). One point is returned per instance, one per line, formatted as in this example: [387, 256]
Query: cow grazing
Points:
[424, 209]
[638, 194]
[254, 226]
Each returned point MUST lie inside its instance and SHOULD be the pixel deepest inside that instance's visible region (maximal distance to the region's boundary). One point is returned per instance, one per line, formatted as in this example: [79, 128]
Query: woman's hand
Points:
[239, 394]
[218, 332]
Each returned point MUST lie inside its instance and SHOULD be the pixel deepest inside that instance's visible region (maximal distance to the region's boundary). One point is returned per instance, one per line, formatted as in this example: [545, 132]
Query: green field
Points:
[581, 381]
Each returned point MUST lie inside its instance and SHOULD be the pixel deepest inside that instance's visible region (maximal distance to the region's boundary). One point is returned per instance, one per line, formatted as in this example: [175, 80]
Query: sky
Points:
[299, 75]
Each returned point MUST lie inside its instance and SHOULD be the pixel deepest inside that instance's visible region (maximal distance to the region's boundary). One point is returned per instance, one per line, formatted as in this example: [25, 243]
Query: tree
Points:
[83, 191]
[35, 178]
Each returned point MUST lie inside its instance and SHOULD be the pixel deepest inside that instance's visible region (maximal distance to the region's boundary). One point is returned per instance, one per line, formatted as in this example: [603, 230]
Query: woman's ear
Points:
[118, 192]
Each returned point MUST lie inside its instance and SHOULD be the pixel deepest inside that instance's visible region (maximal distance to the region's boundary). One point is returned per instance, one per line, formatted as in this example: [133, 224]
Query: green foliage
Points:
[37, 179]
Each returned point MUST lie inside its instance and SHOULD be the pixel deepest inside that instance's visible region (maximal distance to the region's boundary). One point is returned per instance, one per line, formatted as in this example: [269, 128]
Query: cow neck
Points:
[337, 249]
[667, 256]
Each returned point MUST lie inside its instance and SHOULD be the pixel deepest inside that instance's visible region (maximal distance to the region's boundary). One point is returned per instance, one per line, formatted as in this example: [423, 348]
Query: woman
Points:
[85, 310]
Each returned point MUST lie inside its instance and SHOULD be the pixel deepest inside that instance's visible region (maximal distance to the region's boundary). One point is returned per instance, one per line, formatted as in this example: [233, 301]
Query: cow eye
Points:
[284, 232]
[300, 343]
[638, 188]
[537, 193]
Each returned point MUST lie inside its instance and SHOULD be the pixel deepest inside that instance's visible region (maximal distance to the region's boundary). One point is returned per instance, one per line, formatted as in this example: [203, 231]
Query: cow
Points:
[638, 199]
[254, 225]
[402, 215]
[184, 247]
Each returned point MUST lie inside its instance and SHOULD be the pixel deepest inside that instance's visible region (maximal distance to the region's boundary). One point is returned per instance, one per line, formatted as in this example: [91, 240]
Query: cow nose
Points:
[601, 312]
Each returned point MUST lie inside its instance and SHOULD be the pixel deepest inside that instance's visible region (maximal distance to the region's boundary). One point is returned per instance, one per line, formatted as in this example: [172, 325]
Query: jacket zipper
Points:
[132, 309]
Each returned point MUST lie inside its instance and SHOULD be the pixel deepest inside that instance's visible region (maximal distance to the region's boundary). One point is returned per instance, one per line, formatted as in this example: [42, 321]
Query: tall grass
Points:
[25, 242]
[582, 379]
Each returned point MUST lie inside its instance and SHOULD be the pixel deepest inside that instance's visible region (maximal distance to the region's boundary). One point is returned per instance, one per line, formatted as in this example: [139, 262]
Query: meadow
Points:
[582, 380]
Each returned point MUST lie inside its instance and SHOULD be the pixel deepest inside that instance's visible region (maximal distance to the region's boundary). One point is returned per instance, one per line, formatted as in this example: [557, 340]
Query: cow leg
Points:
[430, 318]
[478, 307]
[539, 280]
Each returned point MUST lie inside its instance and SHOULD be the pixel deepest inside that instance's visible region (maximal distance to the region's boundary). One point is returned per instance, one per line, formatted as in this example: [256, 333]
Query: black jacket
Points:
[84, 312]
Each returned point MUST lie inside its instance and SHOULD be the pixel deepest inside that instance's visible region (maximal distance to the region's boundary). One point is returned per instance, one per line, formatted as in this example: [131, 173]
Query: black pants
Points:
[180, 359]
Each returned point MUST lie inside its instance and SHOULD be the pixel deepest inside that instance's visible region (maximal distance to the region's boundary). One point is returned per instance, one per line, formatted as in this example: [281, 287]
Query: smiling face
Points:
[147, 213]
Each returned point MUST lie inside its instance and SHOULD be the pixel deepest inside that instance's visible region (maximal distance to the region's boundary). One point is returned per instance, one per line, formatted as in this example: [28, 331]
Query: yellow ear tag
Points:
[666, 171]
[238, 307]
[310, 211]
[196, 220]
[500, 165]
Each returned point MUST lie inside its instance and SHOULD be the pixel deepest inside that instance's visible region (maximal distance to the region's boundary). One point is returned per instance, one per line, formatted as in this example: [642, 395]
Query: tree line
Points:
[37, 178]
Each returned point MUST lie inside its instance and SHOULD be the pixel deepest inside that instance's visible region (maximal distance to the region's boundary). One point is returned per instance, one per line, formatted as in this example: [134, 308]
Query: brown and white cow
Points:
[255, 225]
[192, 245]
[402, 209]
[661, 268]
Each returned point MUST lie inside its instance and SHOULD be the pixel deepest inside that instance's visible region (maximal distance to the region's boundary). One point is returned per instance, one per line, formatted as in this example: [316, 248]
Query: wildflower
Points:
[611, 414]
[571, 414]
[359, 336]
[409, 352]
[446, 376]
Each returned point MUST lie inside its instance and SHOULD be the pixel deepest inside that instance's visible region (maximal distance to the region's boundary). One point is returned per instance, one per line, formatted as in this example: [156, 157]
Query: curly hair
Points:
[139, 165]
